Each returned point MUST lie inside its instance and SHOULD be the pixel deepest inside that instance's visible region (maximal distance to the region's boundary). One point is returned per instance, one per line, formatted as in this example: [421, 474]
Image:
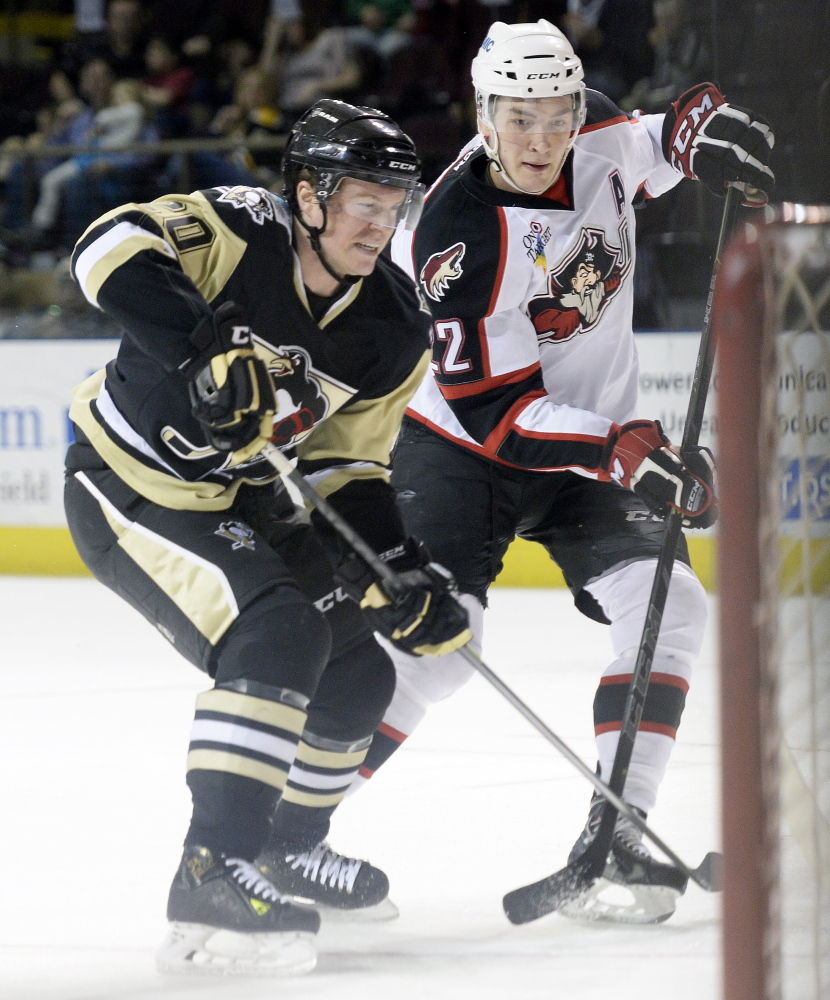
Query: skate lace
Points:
[625, 832]
[326, 865]
[631, 837]
[252, 879]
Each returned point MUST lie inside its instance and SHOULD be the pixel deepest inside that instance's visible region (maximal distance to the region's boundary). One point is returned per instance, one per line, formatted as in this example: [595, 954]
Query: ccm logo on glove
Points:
[719, 143]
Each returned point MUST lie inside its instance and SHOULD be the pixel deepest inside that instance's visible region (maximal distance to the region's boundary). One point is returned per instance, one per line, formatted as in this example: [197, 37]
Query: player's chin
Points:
[363, 257]
[536, 178]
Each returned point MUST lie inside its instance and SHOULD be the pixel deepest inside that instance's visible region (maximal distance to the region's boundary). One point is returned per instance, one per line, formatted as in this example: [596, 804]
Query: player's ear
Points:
[309, 206]
[484, 129]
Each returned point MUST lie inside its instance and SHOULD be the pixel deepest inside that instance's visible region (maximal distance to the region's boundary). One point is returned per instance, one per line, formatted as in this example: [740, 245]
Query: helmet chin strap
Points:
[314, 234]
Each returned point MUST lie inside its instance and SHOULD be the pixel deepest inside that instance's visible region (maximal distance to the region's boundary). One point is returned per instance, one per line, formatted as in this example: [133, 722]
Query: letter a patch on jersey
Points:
[441, 269]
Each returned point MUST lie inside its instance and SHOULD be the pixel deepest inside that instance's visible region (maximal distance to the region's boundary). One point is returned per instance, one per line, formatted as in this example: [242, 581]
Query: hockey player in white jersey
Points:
[528, 424]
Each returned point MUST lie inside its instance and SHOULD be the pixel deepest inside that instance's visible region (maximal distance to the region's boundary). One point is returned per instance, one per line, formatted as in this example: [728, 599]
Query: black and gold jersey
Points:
[342, 382]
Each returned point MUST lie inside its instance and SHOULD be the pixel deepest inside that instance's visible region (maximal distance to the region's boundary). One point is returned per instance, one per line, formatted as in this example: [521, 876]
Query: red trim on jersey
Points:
[364, 772]
[478, 450]
[619, 120]
[558, 191]
[552, 436]
[491, 308]
[645, 727]
[500, 431]
[455, 163]
[485, 384]
[644, 189]
[656, 678]
[393, 734]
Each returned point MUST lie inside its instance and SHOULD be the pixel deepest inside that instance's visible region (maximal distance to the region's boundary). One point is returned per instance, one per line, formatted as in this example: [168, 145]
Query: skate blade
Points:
[611, 902]
[385, 910]
[199, 949]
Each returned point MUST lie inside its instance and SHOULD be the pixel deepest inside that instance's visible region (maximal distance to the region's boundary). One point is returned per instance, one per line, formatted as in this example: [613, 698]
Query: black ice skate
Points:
[340, 888]
[634, 888]
[226, 918]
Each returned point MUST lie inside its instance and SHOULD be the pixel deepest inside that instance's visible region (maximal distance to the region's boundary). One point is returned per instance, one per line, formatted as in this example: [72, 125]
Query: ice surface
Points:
[94, 724]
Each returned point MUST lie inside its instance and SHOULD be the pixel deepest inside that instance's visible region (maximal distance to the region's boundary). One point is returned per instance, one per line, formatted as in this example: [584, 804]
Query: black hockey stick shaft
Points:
[286, 469]
[392, 583]
[638, 687]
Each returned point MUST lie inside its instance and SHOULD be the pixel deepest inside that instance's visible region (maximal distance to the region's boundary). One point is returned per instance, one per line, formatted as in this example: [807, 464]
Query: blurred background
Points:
[107, 102]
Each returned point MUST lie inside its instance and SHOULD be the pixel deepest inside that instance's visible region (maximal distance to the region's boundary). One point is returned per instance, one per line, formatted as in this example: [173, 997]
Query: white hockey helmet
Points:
[528, 61]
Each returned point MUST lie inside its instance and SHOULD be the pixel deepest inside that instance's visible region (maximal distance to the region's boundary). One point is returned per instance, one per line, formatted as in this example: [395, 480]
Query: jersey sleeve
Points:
[485, 353]
[632, 141]
[155, 268]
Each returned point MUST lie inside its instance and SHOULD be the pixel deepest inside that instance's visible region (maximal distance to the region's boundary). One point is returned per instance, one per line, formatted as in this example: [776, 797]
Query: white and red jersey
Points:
[531, 297]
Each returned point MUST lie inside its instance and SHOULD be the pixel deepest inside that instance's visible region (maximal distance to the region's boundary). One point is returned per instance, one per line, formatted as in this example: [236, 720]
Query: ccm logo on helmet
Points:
[402, 166]
[487, 44]
[541, 76]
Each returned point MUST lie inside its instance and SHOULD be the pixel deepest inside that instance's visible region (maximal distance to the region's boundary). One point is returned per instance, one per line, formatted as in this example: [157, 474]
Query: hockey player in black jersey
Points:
[527, 423]
[250, 318]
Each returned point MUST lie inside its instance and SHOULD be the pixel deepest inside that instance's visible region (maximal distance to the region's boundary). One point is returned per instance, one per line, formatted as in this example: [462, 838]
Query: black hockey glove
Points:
[426, 619]
[719, 143]
[638, 455]
[231, 392]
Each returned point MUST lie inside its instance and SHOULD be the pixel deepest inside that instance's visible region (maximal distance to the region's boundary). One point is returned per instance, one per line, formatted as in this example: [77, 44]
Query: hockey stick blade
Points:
[547, 895]
[531, 902]
[710, 872]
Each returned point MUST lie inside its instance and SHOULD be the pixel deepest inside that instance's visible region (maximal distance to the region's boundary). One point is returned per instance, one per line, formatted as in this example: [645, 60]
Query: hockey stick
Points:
[703, 875]
[532, 901]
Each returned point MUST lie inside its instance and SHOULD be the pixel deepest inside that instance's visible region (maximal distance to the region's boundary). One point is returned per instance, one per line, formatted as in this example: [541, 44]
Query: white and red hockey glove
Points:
[719, 143]
[638, 456]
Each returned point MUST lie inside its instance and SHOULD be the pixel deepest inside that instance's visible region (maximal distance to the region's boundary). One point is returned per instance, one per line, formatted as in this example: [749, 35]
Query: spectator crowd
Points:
[140, 71]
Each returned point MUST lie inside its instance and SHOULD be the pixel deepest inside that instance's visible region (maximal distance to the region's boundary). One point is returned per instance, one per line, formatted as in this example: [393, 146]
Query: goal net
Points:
[772, 323]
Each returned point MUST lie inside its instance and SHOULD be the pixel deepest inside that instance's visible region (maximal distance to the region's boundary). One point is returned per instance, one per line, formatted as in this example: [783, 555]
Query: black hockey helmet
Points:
[338, 140]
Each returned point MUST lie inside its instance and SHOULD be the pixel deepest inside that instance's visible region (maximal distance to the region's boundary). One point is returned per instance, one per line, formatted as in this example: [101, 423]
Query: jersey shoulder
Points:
[250, 212]
[601, 111]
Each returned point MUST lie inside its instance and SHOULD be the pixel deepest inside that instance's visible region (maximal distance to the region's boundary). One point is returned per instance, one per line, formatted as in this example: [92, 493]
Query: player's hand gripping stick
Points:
[231, 392]
[639, 456]
[426, 618]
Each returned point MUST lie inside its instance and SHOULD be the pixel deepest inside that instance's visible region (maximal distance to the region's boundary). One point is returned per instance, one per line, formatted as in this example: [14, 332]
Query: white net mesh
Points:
[796, 551]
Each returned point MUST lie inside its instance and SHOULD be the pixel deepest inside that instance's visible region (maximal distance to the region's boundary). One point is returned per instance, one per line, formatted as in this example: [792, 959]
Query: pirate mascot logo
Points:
[580, 288]
[300, 399]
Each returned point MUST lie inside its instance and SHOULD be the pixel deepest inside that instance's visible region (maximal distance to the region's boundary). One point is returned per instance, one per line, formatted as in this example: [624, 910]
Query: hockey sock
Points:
[242, 746]
[657, 731]
[322, 771]
[384, 743]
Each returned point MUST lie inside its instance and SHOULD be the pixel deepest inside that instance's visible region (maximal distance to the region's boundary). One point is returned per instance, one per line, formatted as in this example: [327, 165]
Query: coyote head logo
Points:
[441, 269]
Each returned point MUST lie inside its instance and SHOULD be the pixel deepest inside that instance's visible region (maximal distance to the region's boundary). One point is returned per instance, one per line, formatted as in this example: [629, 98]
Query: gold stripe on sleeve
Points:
[138, 240]
[246, 767]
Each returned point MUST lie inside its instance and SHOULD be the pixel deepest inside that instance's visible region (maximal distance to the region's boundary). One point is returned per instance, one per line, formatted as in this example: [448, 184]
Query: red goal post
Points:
[772, 326]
